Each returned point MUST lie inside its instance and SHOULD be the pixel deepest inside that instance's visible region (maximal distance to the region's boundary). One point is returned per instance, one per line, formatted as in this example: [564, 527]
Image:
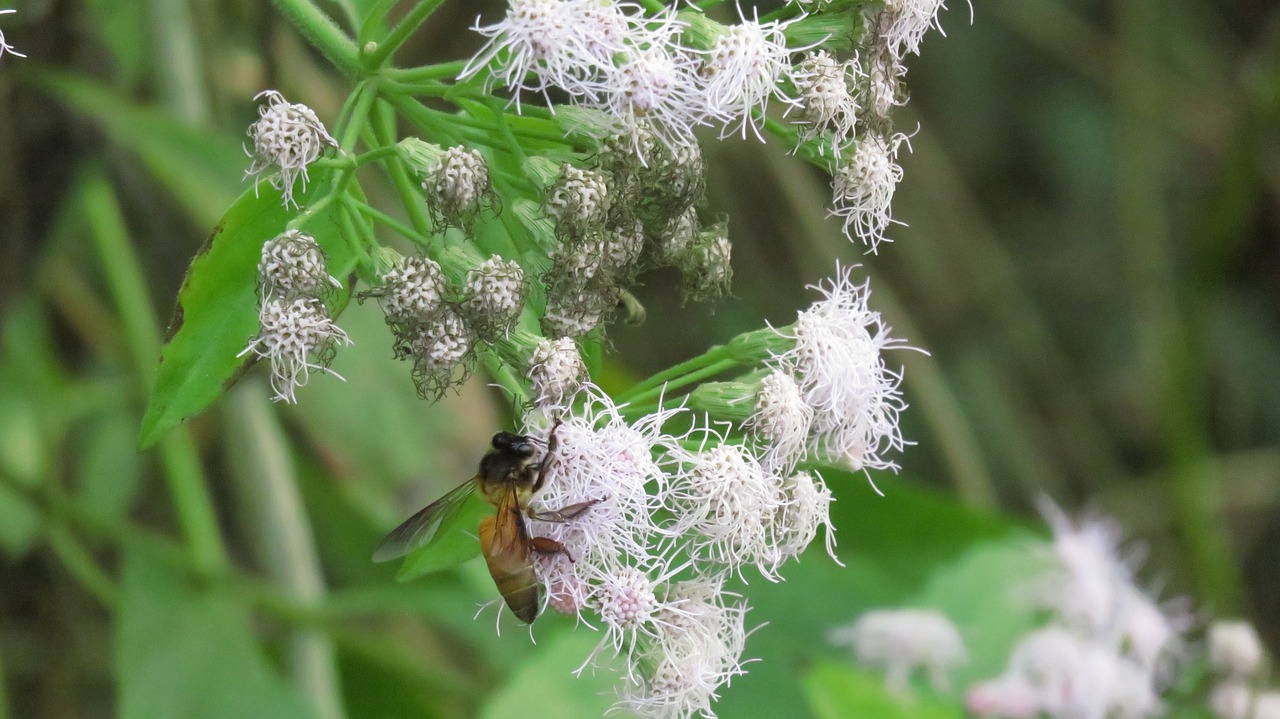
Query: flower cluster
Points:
[287, 136]
[666, 522]
[436, 326]
[831, 392]
[296, 333]
[1109, 647]
[902, 641]
[1238, 662]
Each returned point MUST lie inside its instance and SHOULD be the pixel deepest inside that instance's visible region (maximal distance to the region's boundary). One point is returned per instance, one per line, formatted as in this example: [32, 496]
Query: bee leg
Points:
[547, 457]
[563, 514]
[547, 545]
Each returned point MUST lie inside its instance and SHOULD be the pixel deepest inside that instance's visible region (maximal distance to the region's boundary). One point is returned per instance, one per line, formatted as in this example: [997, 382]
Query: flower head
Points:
[457, 185]
[1235, 651]
[438, 347]
[742, 70]
[826, 104]
[579, 201]
[838, 365]
[292, 266]
[494, 295]
[781, 421]
[904, 640]
[287, 136]
[412, 291]
[297, 337]
[903, 24]
[556, 370]
[863, 187]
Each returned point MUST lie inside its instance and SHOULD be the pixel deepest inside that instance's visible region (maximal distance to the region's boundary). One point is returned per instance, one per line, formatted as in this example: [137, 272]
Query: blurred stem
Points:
[178, 453]
[401, 32]
[321, 31]
[1165, 347]
[428, 72]
[259, 455]
[82, 566]
[4, 692]
[181, 77]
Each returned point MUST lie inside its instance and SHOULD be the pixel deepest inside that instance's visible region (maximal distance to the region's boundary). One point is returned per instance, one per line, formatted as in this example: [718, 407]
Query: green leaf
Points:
[217, 311]
[837, 691]
[544, 685]
[455, 542]
[204, 171]
[110, 466]
[183, 652]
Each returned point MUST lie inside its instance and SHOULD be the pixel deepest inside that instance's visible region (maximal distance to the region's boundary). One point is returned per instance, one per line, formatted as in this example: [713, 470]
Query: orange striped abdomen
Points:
[505, 545]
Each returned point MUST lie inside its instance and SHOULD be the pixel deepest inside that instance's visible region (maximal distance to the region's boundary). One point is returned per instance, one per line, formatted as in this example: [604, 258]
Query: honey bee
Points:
[509, 477]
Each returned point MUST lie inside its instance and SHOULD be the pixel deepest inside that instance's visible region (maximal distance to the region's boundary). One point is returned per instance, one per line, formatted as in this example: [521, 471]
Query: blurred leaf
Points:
[217, 311]
[836, 691]
[455, 542]
[204, 171]
[110, 465]
[183, 652]
[544, 685]
[980, 593]
[118, 23]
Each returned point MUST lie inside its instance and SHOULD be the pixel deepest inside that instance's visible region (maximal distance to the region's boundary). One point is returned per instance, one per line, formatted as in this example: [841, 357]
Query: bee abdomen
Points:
[511, 567]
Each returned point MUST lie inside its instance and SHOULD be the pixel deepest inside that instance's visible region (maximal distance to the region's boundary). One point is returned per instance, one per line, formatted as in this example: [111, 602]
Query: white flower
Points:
[807, 508]
[825, 101]
[494, 295]
[627, 601]
[1231, 700]
[580, 200]
[544, 43]
[727, 506]
[656, 86]
[292, 265]
[904, 23]
[698, 649]
[456, 185]
[412, 290]
[438, 347]
[781, 421]
[297, 337]
[903, 640]
[5, 46]
[862, 190]
[883, 90]
[742, 71]
[575, 313]
[1235, 651]
[838, 365]
[1153, 634]
[1266, 705]
[1005, 697]
[288, 136]
[556, 370]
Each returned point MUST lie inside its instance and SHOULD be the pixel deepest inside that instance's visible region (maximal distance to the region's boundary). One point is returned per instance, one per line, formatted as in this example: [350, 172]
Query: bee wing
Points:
[421, 527]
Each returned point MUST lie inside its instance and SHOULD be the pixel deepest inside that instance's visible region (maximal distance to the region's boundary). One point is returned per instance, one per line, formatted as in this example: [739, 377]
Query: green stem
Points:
[352, 163]
[322, 32]
[124, 279]
[653, 6]
[401, 32]
[181, 75]
[427, 72]
[712, 356]
[367, 93]
[505, 377]
[666, 388]
[373, 214]
[408, 190]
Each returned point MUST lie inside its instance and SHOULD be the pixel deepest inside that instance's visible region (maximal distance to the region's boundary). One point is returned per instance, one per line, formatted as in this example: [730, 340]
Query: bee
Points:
[510, 475]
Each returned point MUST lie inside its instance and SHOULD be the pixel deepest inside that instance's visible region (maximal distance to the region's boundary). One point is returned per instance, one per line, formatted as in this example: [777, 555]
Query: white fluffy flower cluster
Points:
[287, 136]
[903, 641]
[456, 183]
[666, 523]
[1108, 649]
[1238, 661]
[611, 56]
[831, 392]
[296, 333]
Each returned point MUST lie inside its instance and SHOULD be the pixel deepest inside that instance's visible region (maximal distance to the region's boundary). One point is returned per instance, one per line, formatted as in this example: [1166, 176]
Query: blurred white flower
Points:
[1266, 705]
[5, 47]
[1086, 583]
[1235, 651]
[1231, 700]
[1005, 697]
[287, 136]
[901, 641]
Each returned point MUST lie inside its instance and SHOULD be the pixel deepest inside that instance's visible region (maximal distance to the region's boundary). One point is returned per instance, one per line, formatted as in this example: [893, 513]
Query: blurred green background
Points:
[1089, 258]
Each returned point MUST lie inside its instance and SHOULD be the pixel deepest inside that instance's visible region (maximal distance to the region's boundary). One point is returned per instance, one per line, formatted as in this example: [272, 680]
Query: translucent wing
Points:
[504, 540]
[421, 527]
